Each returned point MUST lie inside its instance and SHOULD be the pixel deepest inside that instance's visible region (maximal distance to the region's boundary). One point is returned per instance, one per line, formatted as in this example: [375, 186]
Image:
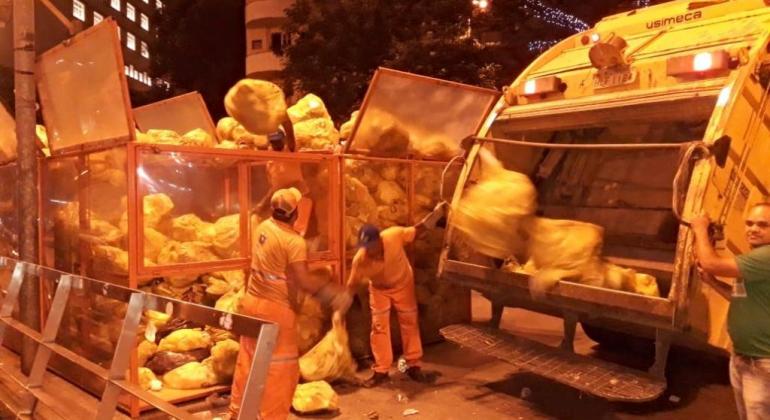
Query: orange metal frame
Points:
[495, 95]
[119, 63]
[211, 128]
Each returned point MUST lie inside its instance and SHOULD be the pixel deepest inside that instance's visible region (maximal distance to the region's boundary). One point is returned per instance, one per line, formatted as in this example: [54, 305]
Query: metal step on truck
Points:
[635, 125]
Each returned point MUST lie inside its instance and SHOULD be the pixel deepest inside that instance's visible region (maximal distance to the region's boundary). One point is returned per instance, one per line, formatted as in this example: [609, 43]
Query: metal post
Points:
[255, 385]
[120, 360]
[24, 84]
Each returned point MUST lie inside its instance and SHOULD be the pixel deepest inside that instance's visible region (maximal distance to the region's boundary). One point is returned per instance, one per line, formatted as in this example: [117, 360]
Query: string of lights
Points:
[555, 16]
[541, 45]
[641, 3]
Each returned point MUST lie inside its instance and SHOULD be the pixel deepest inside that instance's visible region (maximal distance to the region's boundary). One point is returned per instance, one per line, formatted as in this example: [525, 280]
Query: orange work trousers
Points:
[403, 299]
[283, 375]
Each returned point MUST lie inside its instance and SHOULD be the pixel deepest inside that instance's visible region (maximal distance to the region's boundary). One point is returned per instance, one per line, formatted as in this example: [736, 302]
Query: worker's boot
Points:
[416, 374]
[375, 380]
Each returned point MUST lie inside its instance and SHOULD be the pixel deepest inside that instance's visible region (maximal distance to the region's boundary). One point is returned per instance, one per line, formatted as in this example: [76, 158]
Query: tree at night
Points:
[337, 45]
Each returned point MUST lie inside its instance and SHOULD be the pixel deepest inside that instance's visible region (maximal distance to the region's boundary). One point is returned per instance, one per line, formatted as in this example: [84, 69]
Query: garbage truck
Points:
[638, 124]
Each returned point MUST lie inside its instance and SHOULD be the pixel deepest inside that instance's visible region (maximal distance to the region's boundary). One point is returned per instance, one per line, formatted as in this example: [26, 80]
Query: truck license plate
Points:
[611, 78]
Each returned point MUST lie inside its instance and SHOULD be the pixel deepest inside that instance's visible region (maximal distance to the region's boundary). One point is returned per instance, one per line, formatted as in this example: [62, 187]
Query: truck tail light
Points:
[541, 85]
[702, 62]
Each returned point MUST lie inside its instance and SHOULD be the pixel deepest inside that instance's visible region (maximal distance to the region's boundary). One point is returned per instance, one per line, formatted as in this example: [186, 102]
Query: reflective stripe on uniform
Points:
[406, 311]
[380, 312]
[267, 276]
[283, 359]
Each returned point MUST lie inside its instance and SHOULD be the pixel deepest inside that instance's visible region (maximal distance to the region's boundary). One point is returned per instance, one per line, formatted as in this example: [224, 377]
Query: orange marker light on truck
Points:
[541, 85]
[697, 64]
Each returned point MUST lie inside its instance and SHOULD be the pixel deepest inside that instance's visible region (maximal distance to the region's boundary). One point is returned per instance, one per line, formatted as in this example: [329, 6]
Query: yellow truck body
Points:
[693, 73]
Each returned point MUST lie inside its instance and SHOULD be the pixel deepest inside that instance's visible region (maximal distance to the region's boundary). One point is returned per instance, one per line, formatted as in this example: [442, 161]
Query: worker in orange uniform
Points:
[278, 270]
[381, 258]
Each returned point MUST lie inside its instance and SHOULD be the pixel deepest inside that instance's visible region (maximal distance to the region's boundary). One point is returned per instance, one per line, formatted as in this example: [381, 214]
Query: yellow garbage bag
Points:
[198, 137]
[162, 137]
[185, 252]
[331, 358]
[225, 128]
[105, 232]
[189, 227]
[146, 378]
[308, 108]
[258, 105]
[314, 397]
[145, 350]
[564, 250]
[227, 234]
[227, 144]
[382, 134]
[222, 360]
[110, 259]
[248, 140]
[154, 242]
[346, 129]
[193, 375]
[155, 208]
[230, 301]
[184, 340]
[490, 213]
[643, 284]
[316, 134]
[389, 193]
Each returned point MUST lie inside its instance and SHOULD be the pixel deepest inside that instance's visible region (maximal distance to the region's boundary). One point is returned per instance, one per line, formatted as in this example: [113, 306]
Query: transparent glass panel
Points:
[89, 68]
[376, 192]
[180, 114]
[61, 214]
[91, 323]
[7, 136]
[410, 114]
[190, 208]
[9, 241]
[313, 180]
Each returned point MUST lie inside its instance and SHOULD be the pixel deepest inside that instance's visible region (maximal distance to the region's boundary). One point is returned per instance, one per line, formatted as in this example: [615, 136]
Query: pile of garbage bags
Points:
[496, 217]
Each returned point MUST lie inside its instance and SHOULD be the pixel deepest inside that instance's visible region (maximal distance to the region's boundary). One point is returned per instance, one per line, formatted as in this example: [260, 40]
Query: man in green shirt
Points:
[748, 321]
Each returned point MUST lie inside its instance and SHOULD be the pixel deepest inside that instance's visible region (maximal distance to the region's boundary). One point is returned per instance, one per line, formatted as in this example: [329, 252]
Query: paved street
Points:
[478, 387]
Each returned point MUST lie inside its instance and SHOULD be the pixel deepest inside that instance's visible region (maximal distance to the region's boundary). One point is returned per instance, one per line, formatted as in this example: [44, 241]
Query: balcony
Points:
[264, 61]
[259, 10]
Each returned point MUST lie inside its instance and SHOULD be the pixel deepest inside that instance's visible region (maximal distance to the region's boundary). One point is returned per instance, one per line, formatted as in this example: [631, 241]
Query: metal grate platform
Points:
[603, 379]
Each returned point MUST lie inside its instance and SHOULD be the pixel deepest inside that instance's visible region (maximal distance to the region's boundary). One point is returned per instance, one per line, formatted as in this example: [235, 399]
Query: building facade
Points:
[134, 17]
[265, 39]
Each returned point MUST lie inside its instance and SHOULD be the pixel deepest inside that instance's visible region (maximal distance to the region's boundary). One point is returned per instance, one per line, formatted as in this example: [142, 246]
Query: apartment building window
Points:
[257, 44]
[146, 1]
[276, 43]
[145, 50]
[130, 41]
[131, 12]
[79, 10]
[98, 18]
[115, 4]
[144, 22]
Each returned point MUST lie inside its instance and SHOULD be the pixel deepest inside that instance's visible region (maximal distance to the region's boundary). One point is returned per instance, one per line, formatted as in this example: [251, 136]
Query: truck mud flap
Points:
[597, 377]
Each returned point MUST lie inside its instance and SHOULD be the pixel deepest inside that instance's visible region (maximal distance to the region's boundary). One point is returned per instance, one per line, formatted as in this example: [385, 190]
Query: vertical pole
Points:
[24, 84]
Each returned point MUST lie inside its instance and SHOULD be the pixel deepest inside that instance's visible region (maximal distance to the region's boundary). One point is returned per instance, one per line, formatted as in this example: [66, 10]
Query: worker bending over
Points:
[748, 321]
[278, 270]
[381, 258]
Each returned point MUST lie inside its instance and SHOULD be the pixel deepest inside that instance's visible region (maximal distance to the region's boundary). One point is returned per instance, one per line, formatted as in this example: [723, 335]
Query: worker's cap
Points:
[286, 200]
[368, 235]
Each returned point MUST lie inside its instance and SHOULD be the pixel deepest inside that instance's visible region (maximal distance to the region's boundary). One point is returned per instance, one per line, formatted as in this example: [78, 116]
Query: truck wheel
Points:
[616, 340]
